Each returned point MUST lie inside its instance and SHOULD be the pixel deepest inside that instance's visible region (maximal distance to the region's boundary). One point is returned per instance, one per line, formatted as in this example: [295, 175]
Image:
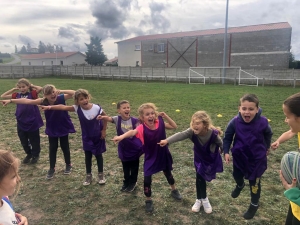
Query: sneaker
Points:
[68, 169]
[124, 187]
[50, 174]
[196, 207]
[149, 206]
[131, 187]
[206, 205]
[88, 179]
[34, 159]
[26, 160]
[237, 190]
[250, 212]
[175, 194]
[101, 178]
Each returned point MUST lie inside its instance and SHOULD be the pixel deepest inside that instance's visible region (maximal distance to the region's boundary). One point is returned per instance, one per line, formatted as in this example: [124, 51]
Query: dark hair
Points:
[249, 98]
[121, 103]
[292, 103]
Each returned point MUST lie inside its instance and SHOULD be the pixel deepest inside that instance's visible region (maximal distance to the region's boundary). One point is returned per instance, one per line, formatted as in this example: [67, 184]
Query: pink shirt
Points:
[140, 130]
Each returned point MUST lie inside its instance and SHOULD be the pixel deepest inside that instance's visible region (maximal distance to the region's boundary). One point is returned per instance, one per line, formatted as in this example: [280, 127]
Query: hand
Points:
[99, 117]
[117, 139]
[162, 143]
[23, 219]
[275, 145]
[103, 134]
[220, 150]
[57, 92]
[227, 158]
[285, 184]
[5, 102]
[162, 114]
[44, 107]
[268, 151]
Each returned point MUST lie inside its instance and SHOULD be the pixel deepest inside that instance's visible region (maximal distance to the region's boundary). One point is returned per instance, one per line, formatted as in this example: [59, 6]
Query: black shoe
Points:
[34, 159]
[26, 160]
[250, 212]
[124, 187]
[149, 206]
[68, 169]
[50, 174]
[175, 194]
[236, 192]
[131, 187]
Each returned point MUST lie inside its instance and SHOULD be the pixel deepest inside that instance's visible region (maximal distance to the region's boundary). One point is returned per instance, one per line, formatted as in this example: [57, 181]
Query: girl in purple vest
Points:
[58, 124]
[207, 159]
[93, 131]
[29, 119]
[129, 149]
[251, 136]
[157, 158]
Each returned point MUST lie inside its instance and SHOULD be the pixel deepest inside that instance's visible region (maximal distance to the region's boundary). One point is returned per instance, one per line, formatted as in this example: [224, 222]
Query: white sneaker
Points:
[197, 205]
[206, 205]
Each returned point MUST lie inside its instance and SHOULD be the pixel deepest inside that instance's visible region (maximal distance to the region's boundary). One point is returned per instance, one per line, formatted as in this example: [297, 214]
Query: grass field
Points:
[64, 200]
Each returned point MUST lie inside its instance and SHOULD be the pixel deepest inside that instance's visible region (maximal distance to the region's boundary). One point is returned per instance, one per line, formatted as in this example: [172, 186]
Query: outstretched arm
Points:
[67, 93]
[284, 137]
[103, 132]
[170, 123]
[57, 107]
[128, 134]
[8, 93]
[105, 118]
[25, 101]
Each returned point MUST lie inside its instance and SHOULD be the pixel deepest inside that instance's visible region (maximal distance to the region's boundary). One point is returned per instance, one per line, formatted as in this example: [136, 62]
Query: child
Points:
[93, 131]
[29, 119]
[157, 158]
[129, 149]
[291, 111]
[284, 137]
[251, 135]
[58, 124]
[207, 158]
[9, 186]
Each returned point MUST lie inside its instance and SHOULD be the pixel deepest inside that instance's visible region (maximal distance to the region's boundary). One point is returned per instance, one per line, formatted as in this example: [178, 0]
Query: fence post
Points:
[235, 81]
[33, 71]
[23, 70]
[263, 84]
[83, 72]
[112, 77]
[146, 78]
[294, 82]
[209, 80]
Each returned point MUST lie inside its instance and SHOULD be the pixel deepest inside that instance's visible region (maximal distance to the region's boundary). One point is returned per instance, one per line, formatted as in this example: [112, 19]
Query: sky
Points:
[70, 23]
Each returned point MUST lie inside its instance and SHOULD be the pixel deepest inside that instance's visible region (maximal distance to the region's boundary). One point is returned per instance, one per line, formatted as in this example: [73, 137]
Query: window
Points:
[137, 47]
[43, 63]
[161, 47]
[29, 63]
[52, 63]
[61, 63]
[150, 49]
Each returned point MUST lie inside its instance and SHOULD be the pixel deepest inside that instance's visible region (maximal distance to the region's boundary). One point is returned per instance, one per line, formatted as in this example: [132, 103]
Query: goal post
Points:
[200, 75]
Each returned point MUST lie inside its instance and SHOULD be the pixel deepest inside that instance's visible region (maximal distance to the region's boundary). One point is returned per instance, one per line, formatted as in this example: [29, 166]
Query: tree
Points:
[28, 48]
[23, 50]
[16, 49]
[95, 55]
[295, 64]
[42, 47]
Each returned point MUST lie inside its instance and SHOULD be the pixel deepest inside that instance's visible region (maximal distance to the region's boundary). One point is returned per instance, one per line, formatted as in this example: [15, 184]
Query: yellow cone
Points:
[219, 115]
[177, 110]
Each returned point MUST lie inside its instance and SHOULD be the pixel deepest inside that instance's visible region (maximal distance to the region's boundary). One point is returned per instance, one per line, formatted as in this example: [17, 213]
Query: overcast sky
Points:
[70, 23]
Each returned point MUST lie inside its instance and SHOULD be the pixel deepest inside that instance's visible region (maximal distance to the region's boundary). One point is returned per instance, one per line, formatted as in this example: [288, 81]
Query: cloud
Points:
[25, 40]
[2, 38]
[69, 33]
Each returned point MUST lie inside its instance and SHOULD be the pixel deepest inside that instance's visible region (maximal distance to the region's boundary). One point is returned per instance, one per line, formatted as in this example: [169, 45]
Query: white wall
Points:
[127, 55]
[67, 61]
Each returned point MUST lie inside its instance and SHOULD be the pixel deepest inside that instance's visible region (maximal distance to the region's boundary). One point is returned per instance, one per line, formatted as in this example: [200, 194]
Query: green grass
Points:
[7, 60]
[64, 200]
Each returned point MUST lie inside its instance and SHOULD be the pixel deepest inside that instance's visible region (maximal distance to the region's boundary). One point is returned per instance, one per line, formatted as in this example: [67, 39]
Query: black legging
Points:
[148, 181]
[88, 162]
[53, 146]
[200, 187]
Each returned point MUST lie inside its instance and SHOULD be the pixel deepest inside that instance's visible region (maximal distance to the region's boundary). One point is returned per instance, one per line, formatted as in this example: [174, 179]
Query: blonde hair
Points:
[24, 81]
[206, 120]
[48, 89]
[147, 106]
[8, 164]
[81, 92]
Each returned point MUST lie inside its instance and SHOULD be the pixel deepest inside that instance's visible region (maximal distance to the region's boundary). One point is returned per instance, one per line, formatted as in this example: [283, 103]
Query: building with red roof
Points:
[257, 46]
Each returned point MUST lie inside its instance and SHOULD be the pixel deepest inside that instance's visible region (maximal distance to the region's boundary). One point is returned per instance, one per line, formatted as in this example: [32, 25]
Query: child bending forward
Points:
[207, 158]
